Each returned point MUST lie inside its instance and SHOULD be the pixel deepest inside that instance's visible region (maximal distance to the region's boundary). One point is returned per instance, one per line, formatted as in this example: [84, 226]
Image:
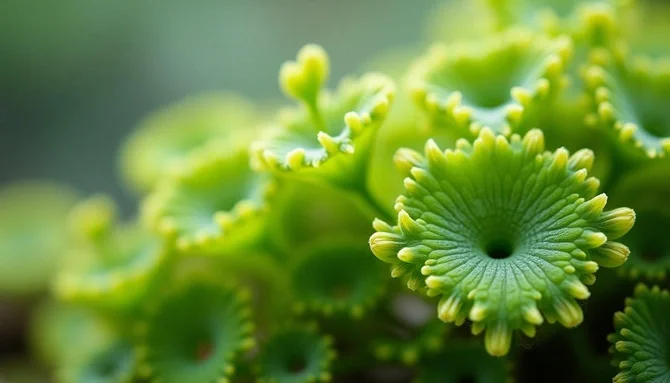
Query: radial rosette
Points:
[641, 339]
[215, 201]
[110, 265]
[165, 139]
[506, 233]
[194, 333]
[329, 136]
[32, 235]
[336, 276]
[595, 20]
[463, 361]
[631, 98]
[296, 354]
[646, 190]
[260, 273]
[502, 83]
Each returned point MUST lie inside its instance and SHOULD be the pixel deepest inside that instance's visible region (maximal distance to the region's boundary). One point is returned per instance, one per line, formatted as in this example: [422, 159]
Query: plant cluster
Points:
[489, 184]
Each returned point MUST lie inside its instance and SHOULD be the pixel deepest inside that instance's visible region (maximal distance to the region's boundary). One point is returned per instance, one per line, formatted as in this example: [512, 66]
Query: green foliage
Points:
[296, 353]
[193, 331]
[640, 343]
[502, 83]
[251, 256]
[32, 234]
[502, 246]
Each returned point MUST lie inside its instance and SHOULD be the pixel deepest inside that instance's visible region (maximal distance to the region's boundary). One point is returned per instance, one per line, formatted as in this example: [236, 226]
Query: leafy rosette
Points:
[262, 274]
[463, 361]
[336, 276]
[213, 202]
[508, 234]
[503, 83]
[595, 20]
[630, 98]
[32, 235]
[640, 343]
[296, 354]
[165, 139]
[327, 138]
[194, 332]
[110, 265]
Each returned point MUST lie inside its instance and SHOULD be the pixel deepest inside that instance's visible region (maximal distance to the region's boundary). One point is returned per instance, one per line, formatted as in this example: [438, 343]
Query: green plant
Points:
[478, 173]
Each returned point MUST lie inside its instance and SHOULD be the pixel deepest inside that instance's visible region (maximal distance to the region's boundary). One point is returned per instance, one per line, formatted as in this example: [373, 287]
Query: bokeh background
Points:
[77, 75]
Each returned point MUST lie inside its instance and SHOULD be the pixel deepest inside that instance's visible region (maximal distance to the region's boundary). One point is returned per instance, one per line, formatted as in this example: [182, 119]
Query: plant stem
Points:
[316, 116]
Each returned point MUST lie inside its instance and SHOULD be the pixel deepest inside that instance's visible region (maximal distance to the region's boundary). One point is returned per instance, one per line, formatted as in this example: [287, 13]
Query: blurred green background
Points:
[77, 75]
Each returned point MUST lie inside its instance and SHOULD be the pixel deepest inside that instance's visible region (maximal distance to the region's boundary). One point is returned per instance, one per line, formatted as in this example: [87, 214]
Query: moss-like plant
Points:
[324, 280]
[598, 18]
[501, 83]
[477, 171]
[640, 343]
[296, 353]
[630, 97]
[328, 137]
[214, 201]
[112, 265]
[505, 246]
[194, 332]
[164, 140]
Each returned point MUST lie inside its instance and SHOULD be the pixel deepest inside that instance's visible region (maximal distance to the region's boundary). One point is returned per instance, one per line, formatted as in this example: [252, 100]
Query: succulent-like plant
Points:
[502, 230]
[296, 353]
[164, 140]
[629, 96]
[478, 172]
[640, 343]
[502, 83]
[194, 332]
[110, 265]
[214, 201]
[329, 136]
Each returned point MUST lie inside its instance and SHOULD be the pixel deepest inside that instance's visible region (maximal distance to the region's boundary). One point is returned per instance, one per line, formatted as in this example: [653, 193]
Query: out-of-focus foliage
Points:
[32, 235]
